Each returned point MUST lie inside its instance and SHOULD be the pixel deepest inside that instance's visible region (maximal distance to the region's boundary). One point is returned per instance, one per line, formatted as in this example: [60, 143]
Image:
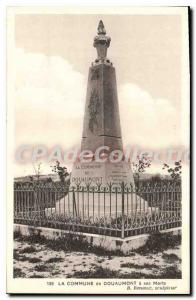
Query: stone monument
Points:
[101, 163]
[101, 128]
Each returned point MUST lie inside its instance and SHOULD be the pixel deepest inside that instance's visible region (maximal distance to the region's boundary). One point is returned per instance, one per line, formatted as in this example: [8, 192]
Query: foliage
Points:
[142, 266]
[68, 243]
[100, 272]
[29, 249]
[158, 242]
[174, 172]
[18, 273]
[54, 260]
[171, 258]
[60, 171]
[141, 164]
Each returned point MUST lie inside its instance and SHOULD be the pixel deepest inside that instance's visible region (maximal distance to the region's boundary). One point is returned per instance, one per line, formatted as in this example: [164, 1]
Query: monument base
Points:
[101, 173]
[96, 191]
[94, 205]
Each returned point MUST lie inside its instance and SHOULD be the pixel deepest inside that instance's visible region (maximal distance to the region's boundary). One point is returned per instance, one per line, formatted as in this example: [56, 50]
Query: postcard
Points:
[98, 141]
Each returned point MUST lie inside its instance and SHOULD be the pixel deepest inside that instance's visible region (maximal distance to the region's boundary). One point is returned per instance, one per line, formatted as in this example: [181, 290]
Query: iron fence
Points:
[119, 211]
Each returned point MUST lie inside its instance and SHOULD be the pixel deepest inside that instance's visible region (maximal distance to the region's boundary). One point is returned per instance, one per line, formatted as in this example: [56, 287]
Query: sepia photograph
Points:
[98, 141]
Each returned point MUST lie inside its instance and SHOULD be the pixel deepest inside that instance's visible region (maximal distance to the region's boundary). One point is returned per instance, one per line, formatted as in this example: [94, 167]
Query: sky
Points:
[53, 54]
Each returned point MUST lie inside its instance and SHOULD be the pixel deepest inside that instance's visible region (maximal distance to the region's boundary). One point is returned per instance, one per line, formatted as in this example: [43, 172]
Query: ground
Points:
[36, 257]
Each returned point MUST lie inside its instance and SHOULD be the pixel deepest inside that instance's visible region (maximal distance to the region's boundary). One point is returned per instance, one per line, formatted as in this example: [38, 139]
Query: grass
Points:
[68, 243]
[171, 273]
[55, 273]
[28, 249]
[170, 257]
[34, 260]
[100, 261]
[134, 266]
[72, 243]
[41, 268]
[17, 235]
[54, 260]
[37, 276]
[159, 242]
[100, 272]
[18, 273]
[17, 256]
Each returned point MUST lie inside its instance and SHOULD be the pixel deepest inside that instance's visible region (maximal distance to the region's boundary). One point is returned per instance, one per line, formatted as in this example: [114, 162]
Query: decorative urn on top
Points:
[101, 42]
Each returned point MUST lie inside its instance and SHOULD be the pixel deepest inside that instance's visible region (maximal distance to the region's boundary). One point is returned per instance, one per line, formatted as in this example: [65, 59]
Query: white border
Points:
[3, 5]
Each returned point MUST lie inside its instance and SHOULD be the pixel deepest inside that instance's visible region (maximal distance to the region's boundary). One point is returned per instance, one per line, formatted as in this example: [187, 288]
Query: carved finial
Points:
[101, 28]
[101, 42]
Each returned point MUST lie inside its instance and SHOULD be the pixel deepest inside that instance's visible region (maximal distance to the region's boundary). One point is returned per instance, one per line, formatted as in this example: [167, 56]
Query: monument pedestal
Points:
[95, 203]
[101, 173]
[96, 192]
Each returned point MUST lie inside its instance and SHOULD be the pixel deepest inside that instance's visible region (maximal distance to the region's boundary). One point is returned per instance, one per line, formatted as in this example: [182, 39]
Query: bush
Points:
[134, 266]
[29, 249]
[18, 273]
[170, 257]
[54, 259]
[41, 268]
[159, 242]
[70, 242]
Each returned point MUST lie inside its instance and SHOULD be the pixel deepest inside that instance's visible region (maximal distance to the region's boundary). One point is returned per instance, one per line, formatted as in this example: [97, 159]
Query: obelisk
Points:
[95, 178]
[101, 127]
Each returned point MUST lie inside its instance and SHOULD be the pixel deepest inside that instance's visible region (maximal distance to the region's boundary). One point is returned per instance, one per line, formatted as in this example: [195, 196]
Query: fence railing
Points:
[119, 211]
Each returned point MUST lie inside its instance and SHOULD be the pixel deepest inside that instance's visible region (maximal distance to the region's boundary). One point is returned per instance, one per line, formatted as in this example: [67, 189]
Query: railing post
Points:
[123, 212]
[74, 204]
[35, 205]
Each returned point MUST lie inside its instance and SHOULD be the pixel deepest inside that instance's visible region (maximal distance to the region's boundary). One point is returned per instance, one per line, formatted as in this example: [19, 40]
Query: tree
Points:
[141, 164]
[174, 172]
[60, 171]
[37, 170]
